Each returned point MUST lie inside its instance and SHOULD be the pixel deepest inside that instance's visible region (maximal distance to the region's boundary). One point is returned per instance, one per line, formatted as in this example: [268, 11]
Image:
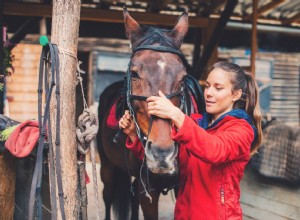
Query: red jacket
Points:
[212, 164]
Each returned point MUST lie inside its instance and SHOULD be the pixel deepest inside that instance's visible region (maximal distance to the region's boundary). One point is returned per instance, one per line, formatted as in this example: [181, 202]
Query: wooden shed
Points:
[212, 23]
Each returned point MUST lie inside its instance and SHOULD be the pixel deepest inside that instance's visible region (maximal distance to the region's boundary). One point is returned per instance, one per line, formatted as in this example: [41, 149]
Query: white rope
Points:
[86, 131]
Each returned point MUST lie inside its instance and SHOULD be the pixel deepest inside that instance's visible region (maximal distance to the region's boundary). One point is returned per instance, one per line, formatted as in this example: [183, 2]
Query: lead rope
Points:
[86, 131]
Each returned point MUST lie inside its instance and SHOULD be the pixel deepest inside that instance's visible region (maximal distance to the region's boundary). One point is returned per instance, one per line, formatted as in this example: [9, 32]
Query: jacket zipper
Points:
[222, 196]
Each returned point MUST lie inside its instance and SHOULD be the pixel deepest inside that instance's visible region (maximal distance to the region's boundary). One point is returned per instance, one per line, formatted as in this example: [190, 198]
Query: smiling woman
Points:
[211, 159]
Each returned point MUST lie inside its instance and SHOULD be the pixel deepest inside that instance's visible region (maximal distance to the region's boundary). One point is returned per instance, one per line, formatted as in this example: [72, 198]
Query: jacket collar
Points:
[237, 113]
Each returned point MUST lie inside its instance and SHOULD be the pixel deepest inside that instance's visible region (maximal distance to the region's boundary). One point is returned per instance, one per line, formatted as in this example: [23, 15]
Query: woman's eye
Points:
[219, 88]
[135, 75]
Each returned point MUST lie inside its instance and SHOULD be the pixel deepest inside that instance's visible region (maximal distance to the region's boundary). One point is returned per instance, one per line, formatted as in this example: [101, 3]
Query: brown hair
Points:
[249, 100]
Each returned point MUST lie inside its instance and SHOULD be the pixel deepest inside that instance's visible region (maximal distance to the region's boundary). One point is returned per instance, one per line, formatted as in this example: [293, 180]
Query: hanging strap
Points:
[48, 57]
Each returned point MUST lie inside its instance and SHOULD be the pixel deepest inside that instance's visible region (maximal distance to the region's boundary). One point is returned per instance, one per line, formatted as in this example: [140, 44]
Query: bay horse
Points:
[156, 64]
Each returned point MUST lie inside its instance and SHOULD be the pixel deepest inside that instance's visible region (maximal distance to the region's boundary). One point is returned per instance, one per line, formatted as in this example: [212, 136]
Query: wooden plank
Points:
[258, 214]
[254, 37]
[157, 5]
[285, 98]
[23, 116]
[26, 88]
[269, 189]
[25, 108]
[22, 97]
[292, 19]
[267, 7]
[101, 15]
[24, 79]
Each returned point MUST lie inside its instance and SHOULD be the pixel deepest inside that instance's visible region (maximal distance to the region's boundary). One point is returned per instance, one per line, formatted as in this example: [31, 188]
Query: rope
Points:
[86, 131]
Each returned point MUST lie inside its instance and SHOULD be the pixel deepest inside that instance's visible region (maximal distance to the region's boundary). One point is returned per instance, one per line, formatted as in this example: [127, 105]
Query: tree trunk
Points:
[65, 28]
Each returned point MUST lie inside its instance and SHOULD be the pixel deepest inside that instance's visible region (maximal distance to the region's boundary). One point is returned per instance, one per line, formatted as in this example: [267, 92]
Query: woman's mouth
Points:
[209, 103]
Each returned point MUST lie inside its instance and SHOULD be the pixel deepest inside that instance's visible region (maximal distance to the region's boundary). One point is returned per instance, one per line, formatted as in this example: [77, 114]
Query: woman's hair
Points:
[249, 100]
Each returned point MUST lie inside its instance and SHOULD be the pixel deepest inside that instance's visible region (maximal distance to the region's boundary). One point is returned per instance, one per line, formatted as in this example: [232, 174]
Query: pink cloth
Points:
[23, 139]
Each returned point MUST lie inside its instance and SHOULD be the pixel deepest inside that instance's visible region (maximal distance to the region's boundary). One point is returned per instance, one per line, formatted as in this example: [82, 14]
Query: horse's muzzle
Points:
[161, 160]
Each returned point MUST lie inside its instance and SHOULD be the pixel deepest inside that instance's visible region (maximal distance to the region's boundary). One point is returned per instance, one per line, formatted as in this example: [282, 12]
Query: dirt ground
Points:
[166, 203]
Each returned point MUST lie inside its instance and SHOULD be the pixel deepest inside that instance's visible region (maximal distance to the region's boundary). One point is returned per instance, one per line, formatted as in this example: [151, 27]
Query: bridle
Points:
[129, 97]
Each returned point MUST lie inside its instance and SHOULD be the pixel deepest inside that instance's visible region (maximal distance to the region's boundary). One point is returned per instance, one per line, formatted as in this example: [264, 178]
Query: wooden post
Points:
[65, 29]
[254, 37]
[197, 47]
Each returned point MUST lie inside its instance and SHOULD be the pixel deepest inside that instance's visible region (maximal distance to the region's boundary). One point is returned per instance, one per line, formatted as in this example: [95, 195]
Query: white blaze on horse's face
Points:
[162, 63]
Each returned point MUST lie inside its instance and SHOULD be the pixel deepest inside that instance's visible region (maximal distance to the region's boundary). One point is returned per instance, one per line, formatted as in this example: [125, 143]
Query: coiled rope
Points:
[86, 131]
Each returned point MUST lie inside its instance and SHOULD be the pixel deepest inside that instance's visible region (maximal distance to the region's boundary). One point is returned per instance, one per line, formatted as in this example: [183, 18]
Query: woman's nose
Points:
[207, 92]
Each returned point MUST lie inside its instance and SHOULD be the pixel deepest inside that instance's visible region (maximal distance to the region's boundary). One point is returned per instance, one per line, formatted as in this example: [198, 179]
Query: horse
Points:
[156, 64]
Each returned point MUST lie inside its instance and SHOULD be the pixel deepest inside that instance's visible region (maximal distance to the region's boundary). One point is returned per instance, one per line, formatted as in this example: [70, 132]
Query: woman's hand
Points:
[162, 107]
[128, 126]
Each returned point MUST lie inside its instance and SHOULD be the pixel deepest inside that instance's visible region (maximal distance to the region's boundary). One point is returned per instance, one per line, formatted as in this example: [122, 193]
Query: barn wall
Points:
[285, 97]
[21, 89]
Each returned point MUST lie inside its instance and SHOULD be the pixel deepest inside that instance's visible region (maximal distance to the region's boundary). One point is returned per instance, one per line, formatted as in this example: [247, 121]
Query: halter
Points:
[143, 138]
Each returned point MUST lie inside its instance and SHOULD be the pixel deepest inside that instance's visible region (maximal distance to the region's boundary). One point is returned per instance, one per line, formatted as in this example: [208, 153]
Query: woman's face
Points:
[218, 94]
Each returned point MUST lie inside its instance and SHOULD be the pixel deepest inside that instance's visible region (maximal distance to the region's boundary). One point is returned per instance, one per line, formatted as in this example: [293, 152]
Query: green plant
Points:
[7, 61]
[8, 68]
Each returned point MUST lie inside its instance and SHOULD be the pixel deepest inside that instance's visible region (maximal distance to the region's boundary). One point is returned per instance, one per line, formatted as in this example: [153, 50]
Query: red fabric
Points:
[23, 139]
[136, 147]
[210, 161]
[112, 121]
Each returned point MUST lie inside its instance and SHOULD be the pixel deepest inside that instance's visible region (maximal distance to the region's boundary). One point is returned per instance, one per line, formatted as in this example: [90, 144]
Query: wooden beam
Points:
[254, 37]
[214, 39]
[267, 7]
[157, 5]
[292, 19]
[214, 5]
[197, 47]
[23, 31]
[100, 15]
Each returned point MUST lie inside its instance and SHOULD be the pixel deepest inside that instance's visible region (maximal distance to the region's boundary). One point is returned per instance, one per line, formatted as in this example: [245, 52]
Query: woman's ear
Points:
[237, 95]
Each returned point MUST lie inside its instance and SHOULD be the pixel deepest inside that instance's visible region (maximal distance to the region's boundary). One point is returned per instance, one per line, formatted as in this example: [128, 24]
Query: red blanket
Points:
[23, 139]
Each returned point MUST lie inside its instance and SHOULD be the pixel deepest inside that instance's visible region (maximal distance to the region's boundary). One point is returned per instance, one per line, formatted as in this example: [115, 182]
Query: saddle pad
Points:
[279, 154]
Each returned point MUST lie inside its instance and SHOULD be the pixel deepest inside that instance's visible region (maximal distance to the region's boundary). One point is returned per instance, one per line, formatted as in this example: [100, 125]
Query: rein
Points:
[129, 97]
[49, 56]
[189, 88]
[144, 137]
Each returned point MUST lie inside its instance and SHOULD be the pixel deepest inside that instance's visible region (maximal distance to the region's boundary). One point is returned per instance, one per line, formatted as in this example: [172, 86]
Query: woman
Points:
[212, 160]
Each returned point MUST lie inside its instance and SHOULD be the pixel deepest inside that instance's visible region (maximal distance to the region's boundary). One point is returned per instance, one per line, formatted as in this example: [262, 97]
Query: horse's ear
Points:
[133, 29]
[180, 29]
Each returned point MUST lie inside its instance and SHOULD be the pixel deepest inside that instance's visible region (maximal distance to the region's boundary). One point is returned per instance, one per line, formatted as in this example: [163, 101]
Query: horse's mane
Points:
[157, 36]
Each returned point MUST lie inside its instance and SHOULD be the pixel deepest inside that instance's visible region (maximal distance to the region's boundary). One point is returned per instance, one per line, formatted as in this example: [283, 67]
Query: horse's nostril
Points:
[149, 145]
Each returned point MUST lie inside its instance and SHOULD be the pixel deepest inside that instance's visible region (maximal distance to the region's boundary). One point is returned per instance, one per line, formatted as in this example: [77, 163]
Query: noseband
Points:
[143, 138]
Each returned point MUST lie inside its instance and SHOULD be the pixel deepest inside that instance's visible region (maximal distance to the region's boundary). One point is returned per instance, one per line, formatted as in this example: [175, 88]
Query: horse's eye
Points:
[135, 75]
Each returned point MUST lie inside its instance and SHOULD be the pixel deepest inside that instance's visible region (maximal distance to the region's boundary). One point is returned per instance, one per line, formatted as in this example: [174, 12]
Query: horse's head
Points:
[156, 64]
